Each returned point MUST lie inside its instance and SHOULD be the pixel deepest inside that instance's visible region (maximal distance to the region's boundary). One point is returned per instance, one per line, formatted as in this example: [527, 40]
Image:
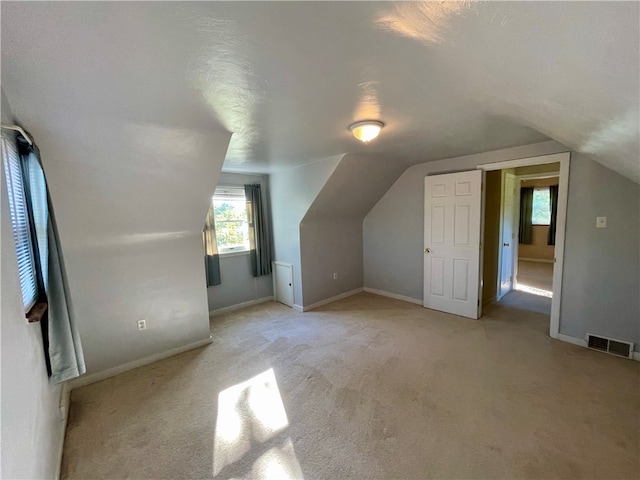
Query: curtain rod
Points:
[20, 131]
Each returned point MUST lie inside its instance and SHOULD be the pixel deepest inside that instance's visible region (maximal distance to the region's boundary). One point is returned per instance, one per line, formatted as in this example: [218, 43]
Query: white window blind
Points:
[19, 222]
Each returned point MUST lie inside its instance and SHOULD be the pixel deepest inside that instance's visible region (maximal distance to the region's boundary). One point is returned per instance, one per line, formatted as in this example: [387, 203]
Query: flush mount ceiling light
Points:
[366, 130]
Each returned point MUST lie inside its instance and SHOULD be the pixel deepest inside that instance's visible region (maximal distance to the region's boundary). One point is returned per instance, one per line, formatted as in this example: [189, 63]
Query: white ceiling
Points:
[448, 79]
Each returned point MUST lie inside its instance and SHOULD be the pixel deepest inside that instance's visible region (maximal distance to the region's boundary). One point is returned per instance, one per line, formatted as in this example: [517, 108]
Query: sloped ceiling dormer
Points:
[447, 78]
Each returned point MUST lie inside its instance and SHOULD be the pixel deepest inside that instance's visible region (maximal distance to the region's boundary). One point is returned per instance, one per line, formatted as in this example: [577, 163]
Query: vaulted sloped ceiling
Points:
[448, 78]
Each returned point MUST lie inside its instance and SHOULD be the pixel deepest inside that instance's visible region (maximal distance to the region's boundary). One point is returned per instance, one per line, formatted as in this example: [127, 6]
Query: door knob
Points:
[426, 250]
[505, 244]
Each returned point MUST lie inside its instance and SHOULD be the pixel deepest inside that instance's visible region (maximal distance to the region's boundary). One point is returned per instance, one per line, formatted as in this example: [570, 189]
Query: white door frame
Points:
[564, 159]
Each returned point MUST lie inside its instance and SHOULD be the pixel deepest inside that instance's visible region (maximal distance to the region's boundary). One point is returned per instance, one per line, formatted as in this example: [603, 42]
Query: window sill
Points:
[36, 312]
[234, 254]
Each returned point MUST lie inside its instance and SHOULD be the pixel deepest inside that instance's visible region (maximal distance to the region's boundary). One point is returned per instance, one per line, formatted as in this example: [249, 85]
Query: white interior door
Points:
[452, 207]
[283, 283]
[507, 234]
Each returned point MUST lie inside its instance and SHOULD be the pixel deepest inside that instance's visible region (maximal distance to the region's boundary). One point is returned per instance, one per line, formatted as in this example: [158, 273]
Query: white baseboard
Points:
[297, 308]
[575, 341]
[238, 306]
[112, 372]
[65, 398]
[539, 260]
[335, 298]
[393, 295]
[583, 343]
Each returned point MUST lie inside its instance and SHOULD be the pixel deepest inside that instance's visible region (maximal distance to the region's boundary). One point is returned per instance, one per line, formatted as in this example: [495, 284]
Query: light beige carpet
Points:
[532, 276]
[365, 388]
[527, 301]
[536, 274]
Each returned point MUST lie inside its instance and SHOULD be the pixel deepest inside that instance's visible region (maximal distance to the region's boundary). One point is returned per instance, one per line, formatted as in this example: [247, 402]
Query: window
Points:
[541, 211]
[20, 223]
[232, 225]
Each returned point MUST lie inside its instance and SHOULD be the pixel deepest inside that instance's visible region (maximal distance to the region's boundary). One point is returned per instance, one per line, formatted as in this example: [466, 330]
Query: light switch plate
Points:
[601, 222]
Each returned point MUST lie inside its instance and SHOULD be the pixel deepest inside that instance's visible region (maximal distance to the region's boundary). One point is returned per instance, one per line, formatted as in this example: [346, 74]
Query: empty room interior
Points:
[320, 240]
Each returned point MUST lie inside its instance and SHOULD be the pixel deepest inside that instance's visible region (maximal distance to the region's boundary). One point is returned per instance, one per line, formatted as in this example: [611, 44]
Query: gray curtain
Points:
[553, 196]
[259, 239]
[526, 209]
[211, 256]
[63, 348]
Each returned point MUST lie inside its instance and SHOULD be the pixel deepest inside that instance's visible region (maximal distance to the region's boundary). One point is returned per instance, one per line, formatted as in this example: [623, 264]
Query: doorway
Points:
[535, 195]
[520, 267]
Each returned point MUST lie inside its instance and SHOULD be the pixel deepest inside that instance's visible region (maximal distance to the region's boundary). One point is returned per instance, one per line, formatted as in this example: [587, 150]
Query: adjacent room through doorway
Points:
[520, 225]
[536, 243]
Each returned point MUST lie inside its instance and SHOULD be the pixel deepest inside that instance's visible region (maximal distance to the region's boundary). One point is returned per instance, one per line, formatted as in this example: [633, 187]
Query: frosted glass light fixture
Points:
[366, 130]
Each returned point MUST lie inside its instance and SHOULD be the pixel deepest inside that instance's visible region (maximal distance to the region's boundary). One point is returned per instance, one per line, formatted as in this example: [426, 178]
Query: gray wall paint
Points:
[331, 231]
[600, 290]
[130, 202]
[238, 283]
[601, 266]
[393, 229]
[32, 427]
[329, 247]
[291, 193]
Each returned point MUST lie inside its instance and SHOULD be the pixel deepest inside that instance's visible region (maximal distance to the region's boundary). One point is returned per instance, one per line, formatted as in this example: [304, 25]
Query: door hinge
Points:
[478, 302]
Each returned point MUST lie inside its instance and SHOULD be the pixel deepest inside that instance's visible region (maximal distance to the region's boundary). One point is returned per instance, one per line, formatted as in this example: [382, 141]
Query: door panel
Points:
[507, 236]
[283, 283]
[461, 225]
[460, 279]
[437, 276]
[437, 225]
[452, 242]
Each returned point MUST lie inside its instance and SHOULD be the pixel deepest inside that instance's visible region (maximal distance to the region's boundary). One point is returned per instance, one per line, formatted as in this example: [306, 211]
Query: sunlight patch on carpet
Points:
[535, 291]
[249, 414]
[280, 463]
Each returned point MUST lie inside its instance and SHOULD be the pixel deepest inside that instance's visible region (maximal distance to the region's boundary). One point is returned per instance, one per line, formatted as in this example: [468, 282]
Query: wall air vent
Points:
[610, 345]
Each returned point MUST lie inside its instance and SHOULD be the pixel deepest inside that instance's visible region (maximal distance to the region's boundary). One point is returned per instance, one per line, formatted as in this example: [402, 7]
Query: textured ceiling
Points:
[287, 79]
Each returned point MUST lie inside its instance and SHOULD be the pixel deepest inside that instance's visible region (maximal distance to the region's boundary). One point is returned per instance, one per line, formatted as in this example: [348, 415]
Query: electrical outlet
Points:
[142, 324]
[335, 276]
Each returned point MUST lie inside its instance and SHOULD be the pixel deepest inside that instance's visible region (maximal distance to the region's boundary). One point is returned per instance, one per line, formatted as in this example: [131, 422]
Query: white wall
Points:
[291, 193]
[238, 283]
[601, 267]
[31, 422]
[130, 202]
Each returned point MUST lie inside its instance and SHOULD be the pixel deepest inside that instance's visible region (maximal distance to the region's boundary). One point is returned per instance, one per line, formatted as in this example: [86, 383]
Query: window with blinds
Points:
[20, 222]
